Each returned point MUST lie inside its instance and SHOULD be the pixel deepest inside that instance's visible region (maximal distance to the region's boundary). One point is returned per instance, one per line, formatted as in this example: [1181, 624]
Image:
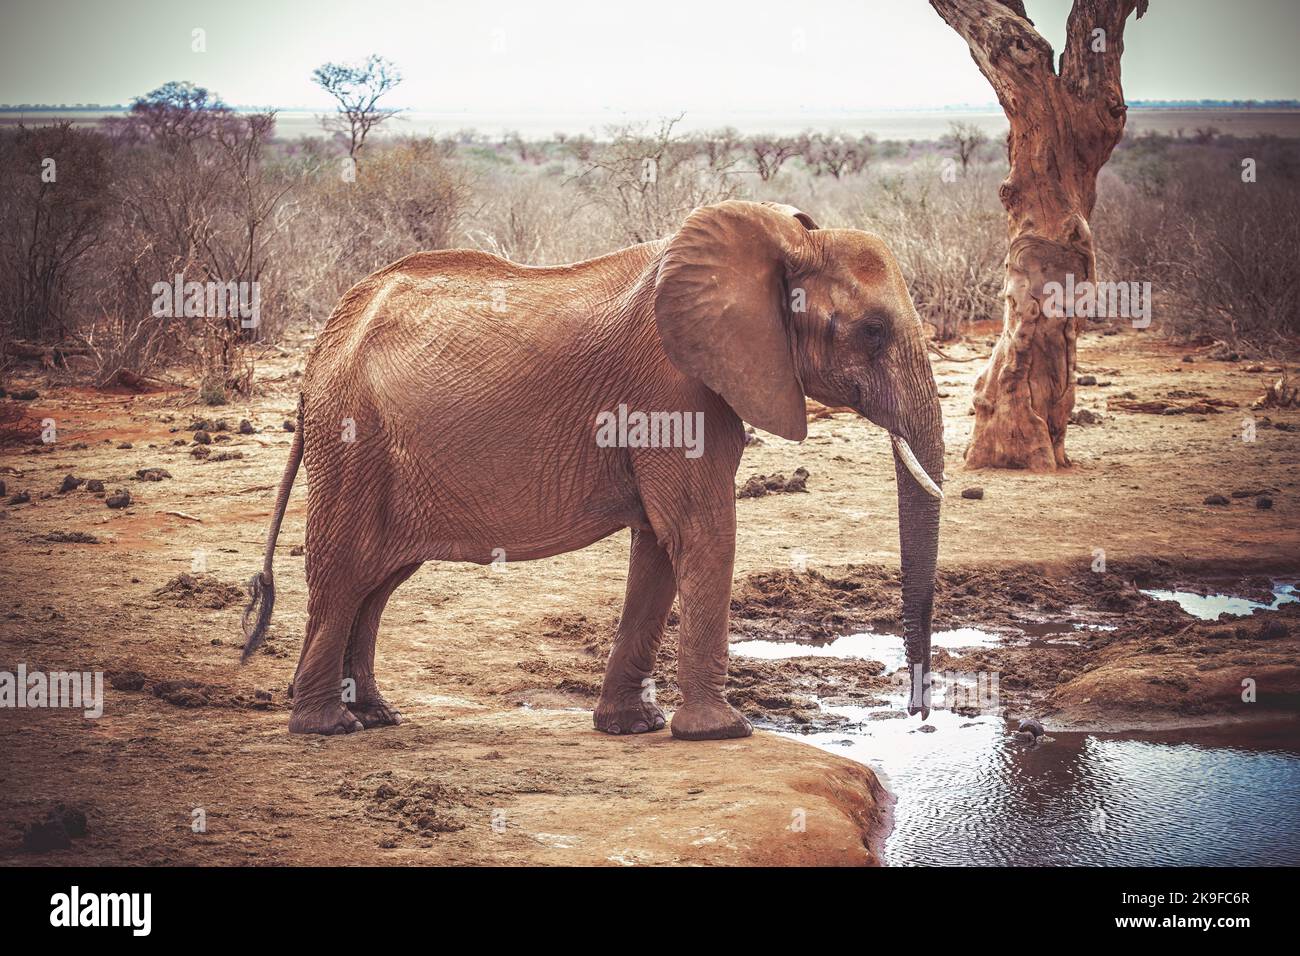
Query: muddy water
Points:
[1210, 606]
[970, 794]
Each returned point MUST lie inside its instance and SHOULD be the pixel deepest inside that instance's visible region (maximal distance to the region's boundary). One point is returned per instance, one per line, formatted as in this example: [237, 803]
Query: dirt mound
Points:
[416, 806]
[61, 825]
[71, 537]
[200, 591]
[759, 485]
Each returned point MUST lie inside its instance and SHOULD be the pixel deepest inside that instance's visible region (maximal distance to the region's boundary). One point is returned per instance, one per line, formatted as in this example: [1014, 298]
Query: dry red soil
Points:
[496, 671]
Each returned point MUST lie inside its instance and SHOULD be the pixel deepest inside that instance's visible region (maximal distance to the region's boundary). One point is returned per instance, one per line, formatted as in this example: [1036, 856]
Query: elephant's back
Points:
[461, 304]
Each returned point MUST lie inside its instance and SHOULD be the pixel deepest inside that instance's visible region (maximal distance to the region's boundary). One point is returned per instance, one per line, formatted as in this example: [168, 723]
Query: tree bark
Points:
[1063, 128]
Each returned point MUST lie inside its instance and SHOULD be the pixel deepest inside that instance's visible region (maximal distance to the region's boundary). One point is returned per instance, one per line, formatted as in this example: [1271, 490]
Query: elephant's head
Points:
[764, 308]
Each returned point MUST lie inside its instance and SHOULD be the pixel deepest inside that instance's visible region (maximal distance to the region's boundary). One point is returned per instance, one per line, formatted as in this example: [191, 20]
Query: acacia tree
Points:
[358, 89]
[964, 139]
[1064, 124]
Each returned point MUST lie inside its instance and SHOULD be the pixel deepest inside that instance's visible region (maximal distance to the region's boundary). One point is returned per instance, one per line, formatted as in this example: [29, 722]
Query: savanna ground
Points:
[495, 669]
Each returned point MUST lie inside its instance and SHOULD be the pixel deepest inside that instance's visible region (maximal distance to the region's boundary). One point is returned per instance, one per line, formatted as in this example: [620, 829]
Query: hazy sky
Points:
[566, 56]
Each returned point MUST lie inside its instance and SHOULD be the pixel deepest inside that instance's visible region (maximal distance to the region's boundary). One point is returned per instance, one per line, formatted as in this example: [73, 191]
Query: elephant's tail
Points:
[261, 587]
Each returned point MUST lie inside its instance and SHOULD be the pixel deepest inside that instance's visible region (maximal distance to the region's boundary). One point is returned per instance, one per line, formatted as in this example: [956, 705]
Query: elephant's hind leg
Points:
[627, 704]
[334, 598]
[367, 704]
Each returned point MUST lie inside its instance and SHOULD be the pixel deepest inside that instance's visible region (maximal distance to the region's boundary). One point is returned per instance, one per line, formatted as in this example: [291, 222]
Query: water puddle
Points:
[886, 648]
[970, 794]
[1209, 607]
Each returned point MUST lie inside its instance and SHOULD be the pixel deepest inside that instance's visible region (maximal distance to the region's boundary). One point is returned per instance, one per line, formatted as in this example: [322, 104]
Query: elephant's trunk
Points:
[919, 498]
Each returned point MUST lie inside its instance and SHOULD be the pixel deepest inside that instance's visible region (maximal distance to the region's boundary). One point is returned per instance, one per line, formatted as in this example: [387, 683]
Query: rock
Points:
[289, 426]
[221, 425]
[201, 437]
[246, 427]
[21, 498]
[3, 490]
[1032, 726]
[926, 729]
[119, 499]
[125, 445]
[200, 451]
[70, 483]
[25, 395]
[94, 484]
[1024, 737]
[152, 474]
[1263, 502]
[1086, 380]
[1217, 500]
[1189, 359]
[974, 493]
[1085, 416]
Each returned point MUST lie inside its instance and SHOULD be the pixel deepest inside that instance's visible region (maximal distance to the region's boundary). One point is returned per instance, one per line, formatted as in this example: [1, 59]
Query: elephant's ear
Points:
[722, 301]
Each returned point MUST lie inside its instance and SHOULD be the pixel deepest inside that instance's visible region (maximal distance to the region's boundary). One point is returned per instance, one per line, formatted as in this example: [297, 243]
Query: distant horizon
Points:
[990, 106]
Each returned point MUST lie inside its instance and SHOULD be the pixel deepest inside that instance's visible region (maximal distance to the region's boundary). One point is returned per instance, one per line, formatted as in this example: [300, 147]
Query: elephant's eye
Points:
[872, 333]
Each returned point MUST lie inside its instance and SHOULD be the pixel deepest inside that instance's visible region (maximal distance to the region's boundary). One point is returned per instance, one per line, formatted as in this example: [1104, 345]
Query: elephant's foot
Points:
[627, 714]
[376, 712]
[328, 719]
[714, 720]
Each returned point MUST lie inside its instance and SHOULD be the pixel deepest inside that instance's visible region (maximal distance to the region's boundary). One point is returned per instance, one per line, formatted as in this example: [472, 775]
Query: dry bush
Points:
[195, 197]
[649, 180]
[345, 224]
[1220, 253]
[54, 200]
[838, 154]
[536, 218]
[949, 239]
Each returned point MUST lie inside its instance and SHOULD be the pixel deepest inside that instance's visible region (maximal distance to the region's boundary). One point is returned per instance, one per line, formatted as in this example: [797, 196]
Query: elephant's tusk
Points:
[909, 459]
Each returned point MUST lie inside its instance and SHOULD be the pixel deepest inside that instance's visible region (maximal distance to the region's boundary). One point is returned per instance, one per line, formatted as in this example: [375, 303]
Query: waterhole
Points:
[969, 793]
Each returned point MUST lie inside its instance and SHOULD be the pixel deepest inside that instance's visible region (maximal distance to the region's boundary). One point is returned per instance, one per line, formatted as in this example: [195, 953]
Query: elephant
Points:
[452, 410]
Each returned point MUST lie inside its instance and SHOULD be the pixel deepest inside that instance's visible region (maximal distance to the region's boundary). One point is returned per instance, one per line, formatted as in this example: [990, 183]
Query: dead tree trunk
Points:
[1063, 127]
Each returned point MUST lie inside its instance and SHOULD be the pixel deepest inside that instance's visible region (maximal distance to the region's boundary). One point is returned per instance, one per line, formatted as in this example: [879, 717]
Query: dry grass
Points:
[1220, 253]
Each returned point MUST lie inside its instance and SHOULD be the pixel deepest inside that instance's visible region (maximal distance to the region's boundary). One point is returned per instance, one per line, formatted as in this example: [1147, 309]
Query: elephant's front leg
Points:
[627, 701]
[703, 565]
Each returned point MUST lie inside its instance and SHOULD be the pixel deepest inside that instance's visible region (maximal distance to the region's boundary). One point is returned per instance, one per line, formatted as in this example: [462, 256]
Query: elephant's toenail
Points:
[640, 727]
